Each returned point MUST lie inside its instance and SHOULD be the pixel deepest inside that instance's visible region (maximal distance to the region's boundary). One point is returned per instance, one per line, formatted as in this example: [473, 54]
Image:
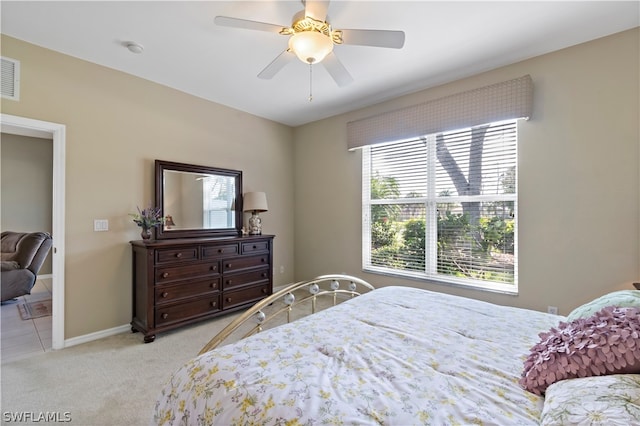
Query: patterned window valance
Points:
[502, 101]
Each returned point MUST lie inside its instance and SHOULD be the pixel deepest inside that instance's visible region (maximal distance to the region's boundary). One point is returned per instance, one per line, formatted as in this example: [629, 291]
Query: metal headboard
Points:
[316, 288]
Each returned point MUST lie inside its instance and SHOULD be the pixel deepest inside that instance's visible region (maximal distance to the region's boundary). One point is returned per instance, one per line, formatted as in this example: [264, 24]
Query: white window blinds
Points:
[443, 207]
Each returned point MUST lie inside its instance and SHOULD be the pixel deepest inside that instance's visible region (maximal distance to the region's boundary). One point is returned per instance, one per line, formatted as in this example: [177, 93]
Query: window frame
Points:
[430, 203]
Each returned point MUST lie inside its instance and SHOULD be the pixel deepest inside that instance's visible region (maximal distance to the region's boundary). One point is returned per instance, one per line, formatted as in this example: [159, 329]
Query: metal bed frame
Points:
[316, 288]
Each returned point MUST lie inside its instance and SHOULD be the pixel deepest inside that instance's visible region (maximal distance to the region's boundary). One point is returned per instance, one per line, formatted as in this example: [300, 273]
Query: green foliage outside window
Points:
[479, 250]
[461, 247]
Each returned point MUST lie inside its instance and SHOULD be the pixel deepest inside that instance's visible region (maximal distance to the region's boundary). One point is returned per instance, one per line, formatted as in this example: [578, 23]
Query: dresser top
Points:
[204, 240]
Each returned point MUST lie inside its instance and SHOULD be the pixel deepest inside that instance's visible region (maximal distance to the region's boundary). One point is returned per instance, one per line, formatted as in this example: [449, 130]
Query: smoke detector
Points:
[134, 47]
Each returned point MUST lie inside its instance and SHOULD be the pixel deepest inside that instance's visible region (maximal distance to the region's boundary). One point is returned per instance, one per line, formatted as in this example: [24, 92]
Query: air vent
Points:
[10, 79]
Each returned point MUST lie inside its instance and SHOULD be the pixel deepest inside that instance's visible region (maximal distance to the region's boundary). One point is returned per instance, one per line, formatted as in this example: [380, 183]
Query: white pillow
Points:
[598, 400]
[621, 298]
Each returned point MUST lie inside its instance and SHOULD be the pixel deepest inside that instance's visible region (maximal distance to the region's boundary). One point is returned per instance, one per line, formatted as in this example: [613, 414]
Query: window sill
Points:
[511, 290]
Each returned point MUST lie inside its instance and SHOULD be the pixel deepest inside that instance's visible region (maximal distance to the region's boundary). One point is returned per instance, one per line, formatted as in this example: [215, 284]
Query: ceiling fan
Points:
[311, 39]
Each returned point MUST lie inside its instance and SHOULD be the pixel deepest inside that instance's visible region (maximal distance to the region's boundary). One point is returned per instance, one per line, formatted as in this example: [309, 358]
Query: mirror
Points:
[198, 201]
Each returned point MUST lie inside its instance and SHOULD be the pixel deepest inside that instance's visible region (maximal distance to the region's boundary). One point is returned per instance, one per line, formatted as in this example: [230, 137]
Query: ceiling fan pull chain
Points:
[310, 83]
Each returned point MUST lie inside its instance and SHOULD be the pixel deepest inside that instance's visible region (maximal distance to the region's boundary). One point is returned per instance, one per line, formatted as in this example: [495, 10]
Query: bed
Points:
[392, 356]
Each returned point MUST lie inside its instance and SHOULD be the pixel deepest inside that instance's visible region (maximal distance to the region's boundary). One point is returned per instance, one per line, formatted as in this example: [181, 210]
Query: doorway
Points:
[22, 126]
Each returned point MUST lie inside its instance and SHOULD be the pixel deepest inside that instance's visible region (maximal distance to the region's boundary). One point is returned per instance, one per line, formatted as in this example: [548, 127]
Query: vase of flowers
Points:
[147, 219]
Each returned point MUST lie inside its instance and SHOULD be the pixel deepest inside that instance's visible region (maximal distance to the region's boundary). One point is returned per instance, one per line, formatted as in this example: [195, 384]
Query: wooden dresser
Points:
[181, 281]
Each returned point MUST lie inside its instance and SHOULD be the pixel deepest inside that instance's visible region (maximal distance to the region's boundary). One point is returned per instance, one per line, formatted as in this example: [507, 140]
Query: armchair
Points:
[22, 255]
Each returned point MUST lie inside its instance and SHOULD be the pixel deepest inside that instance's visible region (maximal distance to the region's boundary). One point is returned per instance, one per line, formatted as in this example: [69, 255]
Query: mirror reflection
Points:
[198, 201]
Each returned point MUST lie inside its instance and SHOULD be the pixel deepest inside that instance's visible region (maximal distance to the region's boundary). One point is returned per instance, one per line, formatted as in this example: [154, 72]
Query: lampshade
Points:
[255, 202]
[310, 46]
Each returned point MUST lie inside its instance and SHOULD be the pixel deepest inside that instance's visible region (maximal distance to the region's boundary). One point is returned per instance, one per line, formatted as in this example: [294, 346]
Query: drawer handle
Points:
[214, 285]
[255, 247]
[178, 255]
[229, 281]
[228, 265]
[165, 275]
[228, 300]
[264, 290]
[220, 251]
[264, 275]
[213, 267]
[262, 259]
[165, 294]
[165, 316]
[214, 304]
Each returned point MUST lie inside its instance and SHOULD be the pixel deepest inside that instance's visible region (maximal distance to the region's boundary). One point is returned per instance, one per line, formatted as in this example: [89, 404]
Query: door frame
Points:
[23, 126]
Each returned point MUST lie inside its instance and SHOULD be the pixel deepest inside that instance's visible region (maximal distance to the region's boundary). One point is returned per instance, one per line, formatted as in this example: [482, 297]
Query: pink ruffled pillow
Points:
[607, 342]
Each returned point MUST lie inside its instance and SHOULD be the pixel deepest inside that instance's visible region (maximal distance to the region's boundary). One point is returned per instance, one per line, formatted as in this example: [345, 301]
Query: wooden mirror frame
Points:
[162, 234]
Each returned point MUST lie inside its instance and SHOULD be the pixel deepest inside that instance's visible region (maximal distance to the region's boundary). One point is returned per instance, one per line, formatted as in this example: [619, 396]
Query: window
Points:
[218, 193]
[443, 207]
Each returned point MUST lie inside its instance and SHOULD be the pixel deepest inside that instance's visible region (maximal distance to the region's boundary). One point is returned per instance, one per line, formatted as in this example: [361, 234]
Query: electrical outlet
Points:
[553, 310]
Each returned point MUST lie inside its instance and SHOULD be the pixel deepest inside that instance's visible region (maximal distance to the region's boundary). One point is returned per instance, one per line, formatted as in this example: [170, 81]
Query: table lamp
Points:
[255, 202]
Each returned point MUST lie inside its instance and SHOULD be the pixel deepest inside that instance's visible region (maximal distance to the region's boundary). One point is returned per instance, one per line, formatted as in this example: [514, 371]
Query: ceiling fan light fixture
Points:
[310, 46]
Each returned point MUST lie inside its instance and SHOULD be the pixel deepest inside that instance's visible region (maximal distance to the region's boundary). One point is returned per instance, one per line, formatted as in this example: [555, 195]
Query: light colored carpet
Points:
[111, 381]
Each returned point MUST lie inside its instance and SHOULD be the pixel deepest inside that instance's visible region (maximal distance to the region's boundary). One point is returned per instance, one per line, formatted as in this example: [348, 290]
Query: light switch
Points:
[100, 225]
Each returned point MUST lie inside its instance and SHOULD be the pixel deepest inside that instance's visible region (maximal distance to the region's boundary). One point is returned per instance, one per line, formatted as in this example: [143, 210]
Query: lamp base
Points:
[255, 224]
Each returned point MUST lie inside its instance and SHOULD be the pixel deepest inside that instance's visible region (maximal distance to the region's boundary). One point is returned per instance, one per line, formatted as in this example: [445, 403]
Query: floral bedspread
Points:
[394, 356]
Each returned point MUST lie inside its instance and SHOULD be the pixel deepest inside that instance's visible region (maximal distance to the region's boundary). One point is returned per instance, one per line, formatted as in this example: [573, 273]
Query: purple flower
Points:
[148, 218]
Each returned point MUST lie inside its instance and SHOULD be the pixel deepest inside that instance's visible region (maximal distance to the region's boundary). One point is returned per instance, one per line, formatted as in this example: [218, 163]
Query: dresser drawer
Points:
[209, 252]
[171, 293]
[246, 295]
[166, 275]
[255, 247]
[239, 263]
[237, 280]
[183, 311]
[176, 255]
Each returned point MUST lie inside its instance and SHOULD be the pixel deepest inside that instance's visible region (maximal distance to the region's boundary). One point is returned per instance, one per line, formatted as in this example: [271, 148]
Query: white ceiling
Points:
[185, 50]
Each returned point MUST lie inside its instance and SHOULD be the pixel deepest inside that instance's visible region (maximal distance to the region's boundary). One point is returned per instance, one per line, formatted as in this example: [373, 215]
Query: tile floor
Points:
[21, 338]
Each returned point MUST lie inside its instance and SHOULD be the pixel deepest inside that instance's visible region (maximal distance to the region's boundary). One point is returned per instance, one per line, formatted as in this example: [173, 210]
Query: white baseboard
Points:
[122, 329]
[97, 335]
[116, 330]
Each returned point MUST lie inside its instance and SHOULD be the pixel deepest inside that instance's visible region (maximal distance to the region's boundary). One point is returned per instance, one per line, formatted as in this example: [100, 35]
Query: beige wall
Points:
[579, 182]
[579, 185]
[27, 186]
[116, 125]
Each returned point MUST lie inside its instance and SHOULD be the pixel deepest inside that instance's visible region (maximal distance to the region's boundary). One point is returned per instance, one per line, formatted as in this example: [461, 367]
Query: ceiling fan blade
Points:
[246, 24]
[377, 38]
[337, 70]
[276, 65]
[317, 9]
